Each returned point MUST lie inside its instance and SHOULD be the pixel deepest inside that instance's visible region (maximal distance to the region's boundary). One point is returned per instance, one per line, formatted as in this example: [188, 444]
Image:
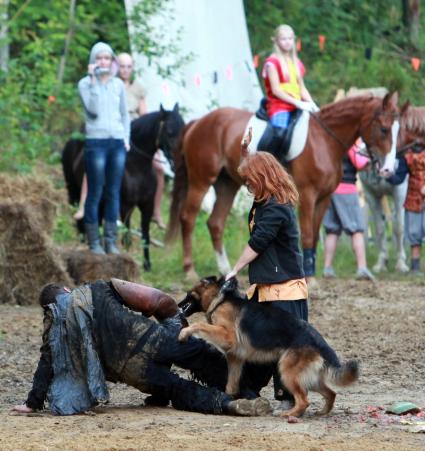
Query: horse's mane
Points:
[144, 125]
[344, 108]
[414, 119]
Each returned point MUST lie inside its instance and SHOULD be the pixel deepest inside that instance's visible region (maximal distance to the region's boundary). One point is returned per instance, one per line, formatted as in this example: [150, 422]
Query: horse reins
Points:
[408, 146]
[157, 140]
[329, 130]
[333, 134]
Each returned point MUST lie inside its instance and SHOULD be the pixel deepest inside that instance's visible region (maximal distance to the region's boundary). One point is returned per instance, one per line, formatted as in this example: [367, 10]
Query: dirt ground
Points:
[382, 325]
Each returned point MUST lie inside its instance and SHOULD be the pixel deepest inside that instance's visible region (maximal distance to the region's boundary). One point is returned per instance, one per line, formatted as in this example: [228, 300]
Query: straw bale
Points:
[36, 192]
[84, 266]
[28, 259]
[377, 92]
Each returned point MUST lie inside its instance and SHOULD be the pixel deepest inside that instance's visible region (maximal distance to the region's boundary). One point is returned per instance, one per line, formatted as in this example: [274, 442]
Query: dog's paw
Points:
[184, 334]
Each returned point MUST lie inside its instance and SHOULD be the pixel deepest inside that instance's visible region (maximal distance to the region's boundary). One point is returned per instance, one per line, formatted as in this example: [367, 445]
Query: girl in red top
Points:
[283, 79]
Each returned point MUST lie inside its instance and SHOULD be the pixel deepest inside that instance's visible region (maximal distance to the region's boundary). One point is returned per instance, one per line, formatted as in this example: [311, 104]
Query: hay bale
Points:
[84, 266]
[354, 91]
[28, 259]
[377, 92]
[37, 193]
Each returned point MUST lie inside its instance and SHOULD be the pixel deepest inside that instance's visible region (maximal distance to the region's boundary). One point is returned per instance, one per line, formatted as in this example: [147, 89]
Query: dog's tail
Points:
[344, 375]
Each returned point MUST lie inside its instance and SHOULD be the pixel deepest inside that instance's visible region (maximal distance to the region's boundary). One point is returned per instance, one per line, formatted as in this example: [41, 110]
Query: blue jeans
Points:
[281, 120]
[104, 161]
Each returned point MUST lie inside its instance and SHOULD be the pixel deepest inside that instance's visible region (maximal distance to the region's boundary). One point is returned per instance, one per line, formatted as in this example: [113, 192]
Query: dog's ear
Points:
[209, 279]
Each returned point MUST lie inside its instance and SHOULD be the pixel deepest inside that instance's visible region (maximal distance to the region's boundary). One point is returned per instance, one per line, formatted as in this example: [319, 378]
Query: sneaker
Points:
[249, 407]
[364, 274]
[329, 273]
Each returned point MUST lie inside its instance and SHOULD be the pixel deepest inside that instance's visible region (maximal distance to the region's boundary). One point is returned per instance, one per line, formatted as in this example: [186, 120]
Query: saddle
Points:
[147, 300]
[275, 140]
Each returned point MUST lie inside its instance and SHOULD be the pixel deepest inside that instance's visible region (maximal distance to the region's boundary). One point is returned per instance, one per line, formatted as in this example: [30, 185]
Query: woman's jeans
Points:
[281, 119]
[104, 161]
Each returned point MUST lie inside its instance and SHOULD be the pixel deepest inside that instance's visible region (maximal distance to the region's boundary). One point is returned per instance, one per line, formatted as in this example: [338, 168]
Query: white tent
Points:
[221, 72]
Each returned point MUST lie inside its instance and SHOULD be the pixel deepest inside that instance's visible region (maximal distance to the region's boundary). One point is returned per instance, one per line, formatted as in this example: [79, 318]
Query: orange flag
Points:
[299, 45]
[322, 39]
[256, 61]
[416, 63]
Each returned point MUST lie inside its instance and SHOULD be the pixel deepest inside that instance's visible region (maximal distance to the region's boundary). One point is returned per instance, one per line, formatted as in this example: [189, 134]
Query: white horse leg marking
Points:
[399, 194]
[373, 198]
[223, 262]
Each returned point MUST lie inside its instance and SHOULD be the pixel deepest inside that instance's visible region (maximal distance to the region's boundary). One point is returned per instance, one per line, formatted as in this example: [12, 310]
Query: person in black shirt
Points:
[275, 263]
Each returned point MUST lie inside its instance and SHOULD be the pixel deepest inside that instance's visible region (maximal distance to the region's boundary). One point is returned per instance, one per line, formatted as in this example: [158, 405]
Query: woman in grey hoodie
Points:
[107, 140]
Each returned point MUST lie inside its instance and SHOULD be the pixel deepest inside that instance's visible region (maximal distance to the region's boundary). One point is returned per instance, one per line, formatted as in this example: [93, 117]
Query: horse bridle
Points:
[345, 146]
[408, 146]
[157, 142]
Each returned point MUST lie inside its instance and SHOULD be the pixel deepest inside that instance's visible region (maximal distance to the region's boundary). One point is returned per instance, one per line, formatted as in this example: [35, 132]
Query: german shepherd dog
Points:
[246, 331]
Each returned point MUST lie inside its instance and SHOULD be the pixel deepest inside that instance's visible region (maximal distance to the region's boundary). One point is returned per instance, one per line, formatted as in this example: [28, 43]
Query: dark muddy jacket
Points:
[117, 333]
[275, 237]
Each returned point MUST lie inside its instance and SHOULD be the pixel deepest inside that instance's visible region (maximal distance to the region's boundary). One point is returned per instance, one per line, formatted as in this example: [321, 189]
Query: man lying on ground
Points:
[91, 336]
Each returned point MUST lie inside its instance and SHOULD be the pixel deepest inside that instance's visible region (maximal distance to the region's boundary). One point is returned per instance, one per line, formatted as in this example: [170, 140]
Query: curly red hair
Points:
[266, 177]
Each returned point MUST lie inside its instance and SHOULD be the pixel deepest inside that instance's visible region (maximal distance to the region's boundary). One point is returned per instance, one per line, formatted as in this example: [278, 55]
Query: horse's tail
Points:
[69, 154]
[179, 188]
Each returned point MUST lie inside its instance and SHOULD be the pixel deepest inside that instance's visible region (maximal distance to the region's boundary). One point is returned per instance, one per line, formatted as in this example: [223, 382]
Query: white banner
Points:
[221, 72]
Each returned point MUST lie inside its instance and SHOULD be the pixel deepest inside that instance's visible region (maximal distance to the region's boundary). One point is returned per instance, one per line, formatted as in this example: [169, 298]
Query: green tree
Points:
[350, 28]
[49, 43]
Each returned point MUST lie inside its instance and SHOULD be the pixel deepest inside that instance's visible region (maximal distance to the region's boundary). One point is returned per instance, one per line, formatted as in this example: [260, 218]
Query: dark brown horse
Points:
[159, 129]
[210, 152]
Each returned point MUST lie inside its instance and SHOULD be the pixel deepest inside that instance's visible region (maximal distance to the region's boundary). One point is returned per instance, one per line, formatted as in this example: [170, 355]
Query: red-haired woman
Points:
[275, 262]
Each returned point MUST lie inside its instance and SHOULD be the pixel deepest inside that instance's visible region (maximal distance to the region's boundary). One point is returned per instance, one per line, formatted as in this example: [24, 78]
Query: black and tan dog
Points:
[246, 331]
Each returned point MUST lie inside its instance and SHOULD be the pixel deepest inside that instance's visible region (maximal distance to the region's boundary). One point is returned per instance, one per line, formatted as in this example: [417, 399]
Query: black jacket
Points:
[275, 237]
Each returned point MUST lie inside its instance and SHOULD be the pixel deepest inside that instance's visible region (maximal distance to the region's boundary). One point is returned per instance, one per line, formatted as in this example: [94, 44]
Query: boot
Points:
[110, 235]
[248, 407]
[150, 301]
[92, 232]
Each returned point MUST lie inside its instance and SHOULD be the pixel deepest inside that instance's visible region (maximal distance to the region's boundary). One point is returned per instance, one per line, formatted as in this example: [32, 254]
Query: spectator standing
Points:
[107, 139]
[344, 214]
[137, 107]
[413, 164]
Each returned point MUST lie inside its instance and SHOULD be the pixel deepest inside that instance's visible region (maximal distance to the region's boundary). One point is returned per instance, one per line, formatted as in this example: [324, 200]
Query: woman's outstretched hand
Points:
[231, 274]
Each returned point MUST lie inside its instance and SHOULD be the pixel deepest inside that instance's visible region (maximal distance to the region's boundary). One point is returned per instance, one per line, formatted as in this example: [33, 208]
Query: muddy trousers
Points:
[149, 370]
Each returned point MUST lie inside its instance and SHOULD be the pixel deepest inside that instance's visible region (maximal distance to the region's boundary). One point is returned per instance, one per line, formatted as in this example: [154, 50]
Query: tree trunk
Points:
[4, 43]
[68, 38]
[411, 16]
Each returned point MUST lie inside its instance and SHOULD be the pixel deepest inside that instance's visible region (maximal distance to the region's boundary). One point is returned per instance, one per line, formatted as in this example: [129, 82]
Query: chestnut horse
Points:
[210, 152]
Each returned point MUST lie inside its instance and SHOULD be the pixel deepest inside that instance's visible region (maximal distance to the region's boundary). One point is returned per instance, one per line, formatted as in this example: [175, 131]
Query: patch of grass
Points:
[64, 230]
[167, 262]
